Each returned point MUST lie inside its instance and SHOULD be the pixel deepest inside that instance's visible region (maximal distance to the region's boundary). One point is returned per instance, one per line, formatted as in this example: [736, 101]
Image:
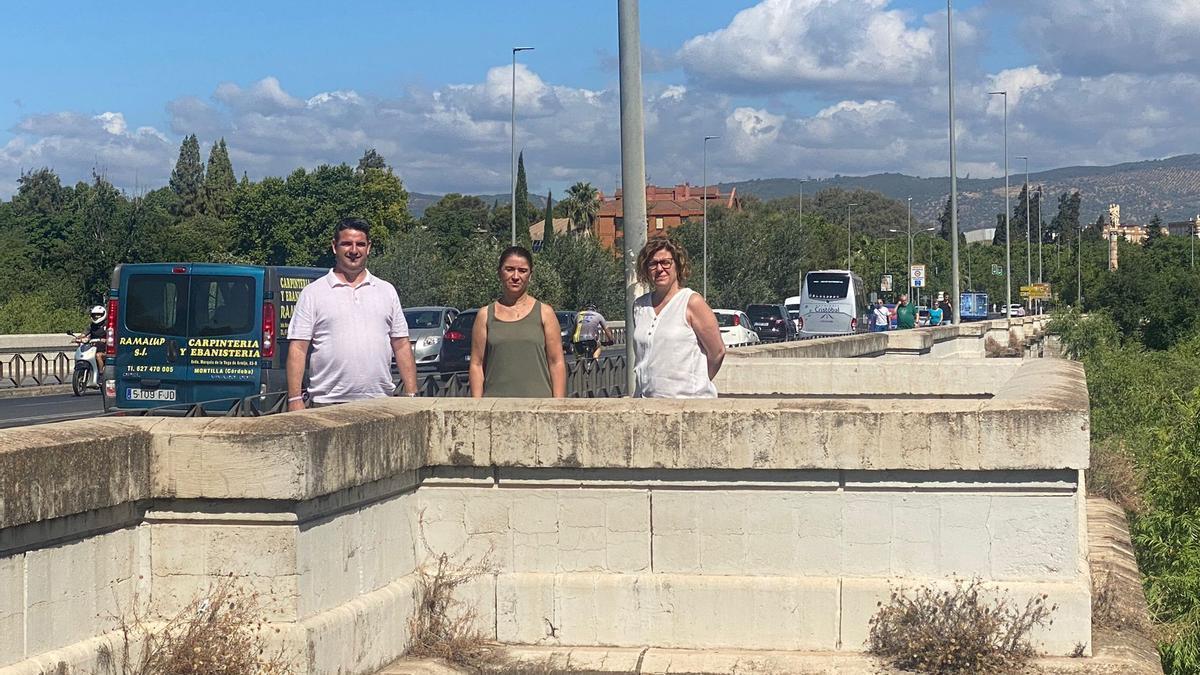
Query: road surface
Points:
[16, 412]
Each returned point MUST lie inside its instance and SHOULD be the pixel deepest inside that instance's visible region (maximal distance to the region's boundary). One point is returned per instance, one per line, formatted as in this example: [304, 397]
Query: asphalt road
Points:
[17, 412]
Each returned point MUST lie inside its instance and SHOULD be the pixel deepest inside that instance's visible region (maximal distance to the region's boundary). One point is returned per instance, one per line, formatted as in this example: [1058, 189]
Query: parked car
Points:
[735, 327]
[455, 354]
[771, 322]
[426, 326]
[1016, 310]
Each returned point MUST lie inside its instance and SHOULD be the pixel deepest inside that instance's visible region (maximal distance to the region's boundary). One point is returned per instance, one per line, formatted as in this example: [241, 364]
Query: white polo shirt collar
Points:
[334, 281]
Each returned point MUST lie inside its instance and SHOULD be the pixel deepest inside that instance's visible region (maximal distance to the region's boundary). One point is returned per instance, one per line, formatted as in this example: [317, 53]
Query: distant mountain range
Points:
[1167, 187]
[419, 201]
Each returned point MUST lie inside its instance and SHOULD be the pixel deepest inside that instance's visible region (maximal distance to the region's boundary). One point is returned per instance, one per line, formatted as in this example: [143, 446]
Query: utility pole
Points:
[848, 207]
[800, 253]
[1007, 217]
[908, 273]
[633, 166]
[955, 285]
[704, 200]
[1028, 227]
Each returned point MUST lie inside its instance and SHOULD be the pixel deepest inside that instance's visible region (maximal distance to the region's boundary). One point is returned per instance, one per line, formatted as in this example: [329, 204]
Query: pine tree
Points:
[1153, 230]
[219, 181]
[522, 197]
[187, 180]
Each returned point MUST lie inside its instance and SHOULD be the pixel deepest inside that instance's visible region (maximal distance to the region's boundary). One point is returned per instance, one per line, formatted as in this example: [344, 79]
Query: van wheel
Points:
[79, 382]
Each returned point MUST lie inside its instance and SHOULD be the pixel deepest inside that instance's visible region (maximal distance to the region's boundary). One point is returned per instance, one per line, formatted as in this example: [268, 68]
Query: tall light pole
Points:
[704, 199]
[955, 286]
[800, 273]
[513, 127]
[1028, 227]
[848, 207]
[1079, 268]
[908, 228]
[633, 165]
[1007, 216]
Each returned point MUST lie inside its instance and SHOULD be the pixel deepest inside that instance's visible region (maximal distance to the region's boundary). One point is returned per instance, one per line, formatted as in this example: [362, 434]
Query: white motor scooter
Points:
[87, 369]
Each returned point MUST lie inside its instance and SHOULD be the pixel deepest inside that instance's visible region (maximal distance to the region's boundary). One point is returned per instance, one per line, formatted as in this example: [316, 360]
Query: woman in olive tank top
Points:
[516, 347]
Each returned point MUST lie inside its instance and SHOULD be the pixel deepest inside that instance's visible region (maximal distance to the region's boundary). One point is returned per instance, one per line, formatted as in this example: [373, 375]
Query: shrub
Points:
[955, 631]
[221, 631]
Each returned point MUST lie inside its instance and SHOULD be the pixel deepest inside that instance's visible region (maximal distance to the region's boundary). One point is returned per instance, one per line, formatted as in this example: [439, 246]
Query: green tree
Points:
[583, 203]
[548, 232]
[187, 179]
[1153, 231]
[455, 219]
[386, 200]
[522, 198]
[219, 182]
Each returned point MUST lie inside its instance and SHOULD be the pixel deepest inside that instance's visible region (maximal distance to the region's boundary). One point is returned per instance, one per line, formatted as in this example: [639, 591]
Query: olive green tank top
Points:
[514, 362]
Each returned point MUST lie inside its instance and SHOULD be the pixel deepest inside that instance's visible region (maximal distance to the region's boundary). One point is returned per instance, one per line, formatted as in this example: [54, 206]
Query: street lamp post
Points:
[848, 207]
[1007, 216]
[1028, 227]
[1079, 268]
[955, 287]
[800, 272]
[513, 128]
[704, 200]
[908, 228]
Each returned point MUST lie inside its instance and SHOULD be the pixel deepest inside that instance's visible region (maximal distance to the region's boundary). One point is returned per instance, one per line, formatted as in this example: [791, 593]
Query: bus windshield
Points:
[827, 285]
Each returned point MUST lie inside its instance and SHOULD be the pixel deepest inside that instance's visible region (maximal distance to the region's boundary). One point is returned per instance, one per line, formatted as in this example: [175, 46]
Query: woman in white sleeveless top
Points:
[676, 337]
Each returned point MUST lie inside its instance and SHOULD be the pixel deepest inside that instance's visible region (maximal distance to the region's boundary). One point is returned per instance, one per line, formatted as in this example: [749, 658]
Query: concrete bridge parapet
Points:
[768, 523]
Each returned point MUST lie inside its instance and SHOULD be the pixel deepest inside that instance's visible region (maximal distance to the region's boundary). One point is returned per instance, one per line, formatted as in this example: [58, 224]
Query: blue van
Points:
[183, 333]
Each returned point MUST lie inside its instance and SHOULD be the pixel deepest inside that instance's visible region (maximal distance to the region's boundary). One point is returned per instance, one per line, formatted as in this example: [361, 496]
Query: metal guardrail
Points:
[30, 368]
[586, 378]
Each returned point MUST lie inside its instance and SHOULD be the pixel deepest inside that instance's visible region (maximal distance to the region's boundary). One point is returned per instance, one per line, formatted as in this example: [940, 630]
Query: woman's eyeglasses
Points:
[665, 263]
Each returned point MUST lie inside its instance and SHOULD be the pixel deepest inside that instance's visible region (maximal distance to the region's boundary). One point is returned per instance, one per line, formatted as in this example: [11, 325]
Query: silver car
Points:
[426, 325]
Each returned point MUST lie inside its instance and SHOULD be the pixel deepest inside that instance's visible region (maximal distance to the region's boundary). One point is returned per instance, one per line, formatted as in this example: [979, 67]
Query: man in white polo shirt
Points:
[353, 324]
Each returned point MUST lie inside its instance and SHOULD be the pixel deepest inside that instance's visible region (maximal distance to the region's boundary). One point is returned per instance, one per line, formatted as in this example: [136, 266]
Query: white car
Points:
[1016, 310]
[735, 327]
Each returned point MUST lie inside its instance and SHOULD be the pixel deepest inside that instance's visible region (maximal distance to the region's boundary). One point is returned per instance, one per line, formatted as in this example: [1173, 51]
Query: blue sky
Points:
[795, 87]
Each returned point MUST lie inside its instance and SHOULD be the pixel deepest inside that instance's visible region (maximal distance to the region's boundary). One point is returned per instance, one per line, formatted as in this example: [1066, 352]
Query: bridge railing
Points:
[586, 378]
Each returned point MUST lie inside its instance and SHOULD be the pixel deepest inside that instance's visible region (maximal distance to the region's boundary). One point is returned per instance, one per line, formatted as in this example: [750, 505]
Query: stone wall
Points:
[754, 523]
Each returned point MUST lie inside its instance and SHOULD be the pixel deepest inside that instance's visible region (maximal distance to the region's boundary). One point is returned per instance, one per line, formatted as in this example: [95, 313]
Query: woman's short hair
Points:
[519, 251]
[656, 244]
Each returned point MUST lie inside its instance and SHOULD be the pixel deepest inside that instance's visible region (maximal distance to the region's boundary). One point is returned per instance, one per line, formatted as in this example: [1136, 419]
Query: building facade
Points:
[666, 209]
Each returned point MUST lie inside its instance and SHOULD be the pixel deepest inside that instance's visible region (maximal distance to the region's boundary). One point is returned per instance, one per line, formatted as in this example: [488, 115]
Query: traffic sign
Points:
[1036, 291]
[997, 271]
[917, 274]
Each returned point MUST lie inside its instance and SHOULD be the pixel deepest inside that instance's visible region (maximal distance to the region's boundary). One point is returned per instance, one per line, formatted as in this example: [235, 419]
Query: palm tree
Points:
[582, 205]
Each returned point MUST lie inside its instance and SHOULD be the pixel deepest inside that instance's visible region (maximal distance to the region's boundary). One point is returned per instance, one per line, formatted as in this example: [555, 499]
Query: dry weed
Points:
[955, 631]
[221, 631]
[1114, 475]
[442, 626]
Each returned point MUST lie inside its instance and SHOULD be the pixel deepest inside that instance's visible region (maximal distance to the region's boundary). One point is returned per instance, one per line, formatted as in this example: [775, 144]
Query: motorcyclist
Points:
[98, 330]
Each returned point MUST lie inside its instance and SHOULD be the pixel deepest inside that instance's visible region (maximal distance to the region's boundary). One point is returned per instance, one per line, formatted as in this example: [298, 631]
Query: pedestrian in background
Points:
[676, 336]
[906, 314]
[935, 316]
[881, 316]
[347, 327]
[947, 310]
[516, 348]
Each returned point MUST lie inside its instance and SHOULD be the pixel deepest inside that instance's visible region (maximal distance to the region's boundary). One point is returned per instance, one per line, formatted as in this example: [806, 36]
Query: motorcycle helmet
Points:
[99, 314]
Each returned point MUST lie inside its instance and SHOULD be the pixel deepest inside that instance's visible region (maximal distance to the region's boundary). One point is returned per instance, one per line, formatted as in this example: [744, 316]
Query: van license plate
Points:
[150, 394]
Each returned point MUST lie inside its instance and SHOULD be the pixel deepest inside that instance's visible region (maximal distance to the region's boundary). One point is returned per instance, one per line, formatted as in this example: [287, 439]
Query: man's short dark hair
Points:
[352, 224]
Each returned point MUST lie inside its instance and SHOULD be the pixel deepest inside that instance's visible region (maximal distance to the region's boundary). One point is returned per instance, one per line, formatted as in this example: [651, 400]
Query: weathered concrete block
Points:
[12, 609]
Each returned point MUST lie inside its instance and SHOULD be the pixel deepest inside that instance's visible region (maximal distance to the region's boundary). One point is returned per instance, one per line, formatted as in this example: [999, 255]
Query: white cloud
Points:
[1099, 37]
[1018, 82]
[834, 44]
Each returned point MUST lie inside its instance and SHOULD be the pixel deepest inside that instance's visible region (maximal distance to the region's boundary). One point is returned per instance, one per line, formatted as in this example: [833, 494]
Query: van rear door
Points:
[151, 364]
[190, 333]
[224, 345]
